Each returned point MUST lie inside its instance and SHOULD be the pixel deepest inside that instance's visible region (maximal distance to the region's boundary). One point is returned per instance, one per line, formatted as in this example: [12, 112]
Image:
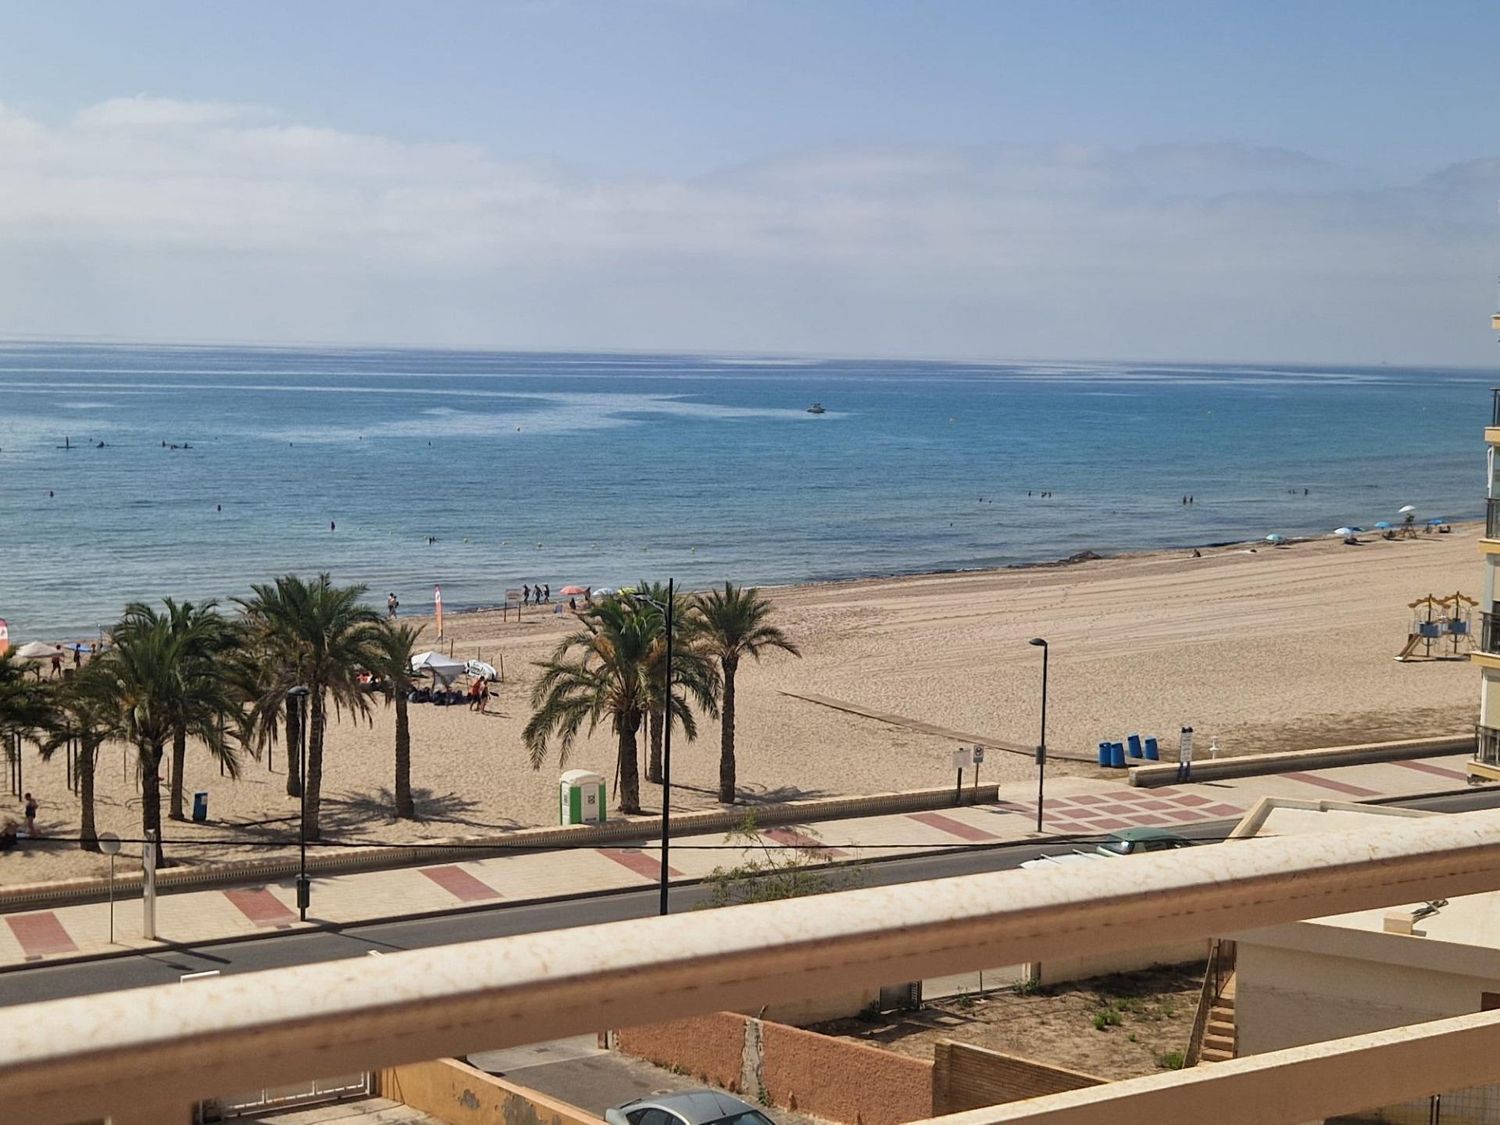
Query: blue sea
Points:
[603, 469]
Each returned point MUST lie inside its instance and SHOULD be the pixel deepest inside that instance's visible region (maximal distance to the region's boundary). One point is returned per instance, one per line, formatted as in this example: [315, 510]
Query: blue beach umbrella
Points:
[1383, 525]
[1274, 538]
[1436, 521]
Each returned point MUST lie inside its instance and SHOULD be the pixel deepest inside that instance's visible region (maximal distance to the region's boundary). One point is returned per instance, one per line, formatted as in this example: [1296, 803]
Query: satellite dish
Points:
[109, 843]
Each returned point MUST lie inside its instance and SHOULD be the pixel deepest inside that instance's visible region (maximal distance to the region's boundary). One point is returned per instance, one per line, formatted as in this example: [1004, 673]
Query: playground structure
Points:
[1435, 620]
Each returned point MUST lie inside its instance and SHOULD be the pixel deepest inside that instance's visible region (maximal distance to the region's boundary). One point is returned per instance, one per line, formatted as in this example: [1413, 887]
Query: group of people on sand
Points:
[9, 833]
[479, 695]
[535, 595]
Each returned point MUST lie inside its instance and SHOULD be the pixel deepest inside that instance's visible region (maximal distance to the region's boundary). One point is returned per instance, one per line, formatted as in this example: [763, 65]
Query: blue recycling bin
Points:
[200, 807]
[1153, 752]
[1117, 755]
[1104, 754]
[1135, 745]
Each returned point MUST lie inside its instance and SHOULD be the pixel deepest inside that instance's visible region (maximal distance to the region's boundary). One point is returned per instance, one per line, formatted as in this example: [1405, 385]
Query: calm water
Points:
[600, 469]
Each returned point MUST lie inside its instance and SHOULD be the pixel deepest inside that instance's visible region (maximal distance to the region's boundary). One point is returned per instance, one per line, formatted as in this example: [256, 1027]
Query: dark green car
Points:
[1136, 841]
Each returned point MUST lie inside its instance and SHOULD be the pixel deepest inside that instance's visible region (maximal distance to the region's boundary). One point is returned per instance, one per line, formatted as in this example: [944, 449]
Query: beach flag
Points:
[4, 637]
[437, 600]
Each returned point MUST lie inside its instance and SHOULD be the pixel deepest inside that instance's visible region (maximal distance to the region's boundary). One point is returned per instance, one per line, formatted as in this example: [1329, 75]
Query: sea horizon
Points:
[480, 471]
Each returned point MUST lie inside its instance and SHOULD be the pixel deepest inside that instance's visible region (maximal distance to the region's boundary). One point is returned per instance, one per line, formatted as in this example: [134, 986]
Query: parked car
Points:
[1136, 841]
[689, 1107]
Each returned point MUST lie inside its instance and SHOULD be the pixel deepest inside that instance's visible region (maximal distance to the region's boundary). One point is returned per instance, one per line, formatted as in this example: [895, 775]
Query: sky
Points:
[990, 179]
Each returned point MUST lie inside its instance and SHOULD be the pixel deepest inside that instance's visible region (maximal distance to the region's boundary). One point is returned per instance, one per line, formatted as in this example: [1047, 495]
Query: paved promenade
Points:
[1074, 806]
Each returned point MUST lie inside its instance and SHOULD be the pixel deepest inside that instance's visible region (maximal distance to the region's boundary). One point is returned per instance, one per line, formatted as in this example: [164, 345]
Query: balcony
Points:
[146, 1055]
[1492, 518]
[1489, 633]
[1487, 745]
[1495, 404]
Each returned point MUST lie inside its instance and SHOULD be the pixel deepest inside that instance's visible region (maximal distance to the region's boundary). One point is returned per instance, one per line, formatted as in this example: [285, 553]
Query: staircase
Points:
[1219, 1035]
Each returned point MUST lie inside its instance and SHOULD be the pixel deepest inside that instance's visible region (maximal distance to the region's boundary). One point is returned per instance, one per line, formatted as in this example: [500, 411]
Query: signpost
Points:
[437, 601]
[963, 757]
[148, 886]
[109, 844]
[978, 761]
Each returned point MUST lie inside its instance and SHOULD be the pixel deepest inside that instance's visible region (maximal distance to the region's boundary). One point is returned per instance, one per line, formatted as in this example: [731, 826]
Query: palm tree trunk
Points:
[293, 733]
[314, 779]
[726, 736]
[88, 833]
[654, 728]
[404, 808]
[630, 778]
[151, 796]
[179, 760]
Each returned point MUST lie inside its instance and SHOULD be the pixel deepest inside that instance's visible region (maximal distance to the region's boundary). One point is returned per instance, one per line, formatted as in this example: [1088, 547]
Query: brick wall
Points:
[966, 1077]
[711, 1048]
[838, 1080]
[803, 1071]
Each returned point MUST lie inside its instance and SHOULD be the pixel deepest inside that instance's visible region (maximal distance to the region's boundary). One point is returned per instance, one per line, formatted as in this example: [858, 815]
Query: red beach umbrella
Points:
[572, 591]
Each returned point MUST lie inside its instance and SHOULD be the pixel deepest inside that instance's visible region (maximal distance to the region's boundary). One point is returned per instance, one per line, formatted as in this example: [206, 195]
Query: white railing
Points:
[146, 1055]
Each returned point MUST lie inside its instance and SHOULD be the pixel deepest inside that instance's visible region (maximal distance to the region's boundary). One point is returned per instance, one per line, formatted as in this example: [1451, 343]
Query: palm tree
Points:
[24, 705]
[318, 635]
[600, 670]
[142, 676]
[734, 626]
[203, 637]
[690, 670]
[84, 710]
[398, 644]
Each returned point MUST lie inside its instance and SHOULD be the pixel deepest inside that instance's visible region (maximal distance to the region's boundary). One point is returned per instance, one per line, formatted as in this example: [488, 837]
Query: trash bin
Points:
[1134, 741]
[200, 807]
[1153, 750]
[1104, 754]
[581, 798]
[1117, 755]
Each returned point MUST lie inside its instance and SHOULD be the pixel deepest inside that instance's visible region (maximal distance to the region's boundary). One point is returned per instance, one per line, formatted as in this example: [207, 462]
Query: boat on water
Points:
[816, 408]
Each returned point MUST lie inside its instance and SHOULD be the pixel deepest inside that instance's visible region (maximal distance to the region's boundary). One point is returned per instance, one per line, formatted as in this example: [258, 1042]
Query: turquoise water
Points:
[600, 469]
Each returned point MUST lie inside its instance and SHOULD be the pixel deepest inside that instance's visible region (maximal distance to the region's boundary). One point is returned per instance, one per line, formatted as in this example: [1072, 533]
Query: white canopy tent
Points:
[35, 650]
[444, 669]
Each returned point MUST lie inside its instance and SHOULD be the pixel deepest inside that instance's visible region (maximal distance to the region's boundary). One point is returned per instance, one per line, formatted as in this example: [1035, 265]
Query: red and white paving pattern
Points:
[1073, 807]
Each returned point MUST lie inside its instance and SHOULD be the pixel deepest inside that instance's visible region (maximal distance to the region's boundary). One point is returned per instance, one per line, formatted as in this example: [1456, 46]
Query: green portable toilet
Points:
[581, 798]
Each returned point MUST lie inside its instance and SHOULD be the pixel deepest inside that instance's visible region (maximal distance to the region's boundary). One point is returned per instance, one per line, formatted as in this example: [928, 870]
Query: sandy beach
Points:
[1268, 649]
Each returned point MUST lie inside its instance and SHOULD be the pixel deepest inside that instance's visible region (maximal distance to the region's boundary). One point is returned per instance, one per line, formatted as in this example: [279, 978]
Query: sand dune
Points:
[1275, 649]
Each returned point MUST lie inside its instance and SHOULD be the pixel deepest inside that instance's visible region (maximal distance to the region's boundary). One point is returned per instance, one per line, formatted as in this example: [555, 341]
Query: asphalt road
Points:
[50, 982]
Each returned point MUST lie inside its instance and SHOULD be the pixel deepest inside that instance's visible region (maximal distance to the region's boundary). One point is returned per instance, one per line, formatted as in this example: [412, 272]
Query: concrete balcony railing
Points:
[146, 1055]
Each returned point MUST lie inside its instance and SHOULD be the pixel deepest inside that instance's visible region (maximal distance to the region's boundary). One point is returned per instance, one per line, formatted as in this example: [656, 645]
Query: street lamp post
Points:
[1041, 749]
[304, 884]
[666, 749]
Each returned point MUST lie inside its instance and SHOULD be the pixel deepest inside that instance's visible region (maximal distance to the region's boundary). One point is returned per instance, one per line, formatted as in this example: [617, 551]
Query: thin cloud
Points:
[151, 217]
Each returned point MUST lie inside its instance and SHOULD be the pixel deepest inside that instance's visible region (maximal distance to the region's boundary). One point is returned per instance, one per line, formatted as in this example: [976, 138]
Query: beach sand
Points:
[1273, 649]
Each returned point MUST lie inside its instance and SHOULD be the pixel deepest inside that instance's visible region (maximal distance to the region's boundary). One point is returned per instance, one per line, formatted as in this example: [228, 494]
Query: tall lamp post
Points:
[666, 749]
[1041, 749]
[304, 885]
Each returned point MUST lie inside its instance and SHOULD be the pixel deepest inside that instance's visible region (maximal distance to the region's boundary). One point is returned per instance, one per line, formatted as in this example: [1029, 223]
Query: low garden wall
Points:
[1251, 765]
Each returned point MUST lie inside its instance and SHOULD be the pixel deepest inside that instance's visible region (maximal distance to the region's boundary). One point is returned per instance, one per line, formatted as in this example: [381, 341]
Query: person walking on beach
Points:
[77, 656]
[525, 594]
[547, 592]
[392, 604]
[484, 695]
[1185, 755]
[57, 662]
[30, 816]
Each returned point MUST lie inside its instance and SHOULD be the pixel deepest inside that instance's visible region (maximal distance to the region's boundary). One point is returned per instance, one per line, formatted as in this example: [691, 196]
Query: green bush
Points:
[1170, 1060]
